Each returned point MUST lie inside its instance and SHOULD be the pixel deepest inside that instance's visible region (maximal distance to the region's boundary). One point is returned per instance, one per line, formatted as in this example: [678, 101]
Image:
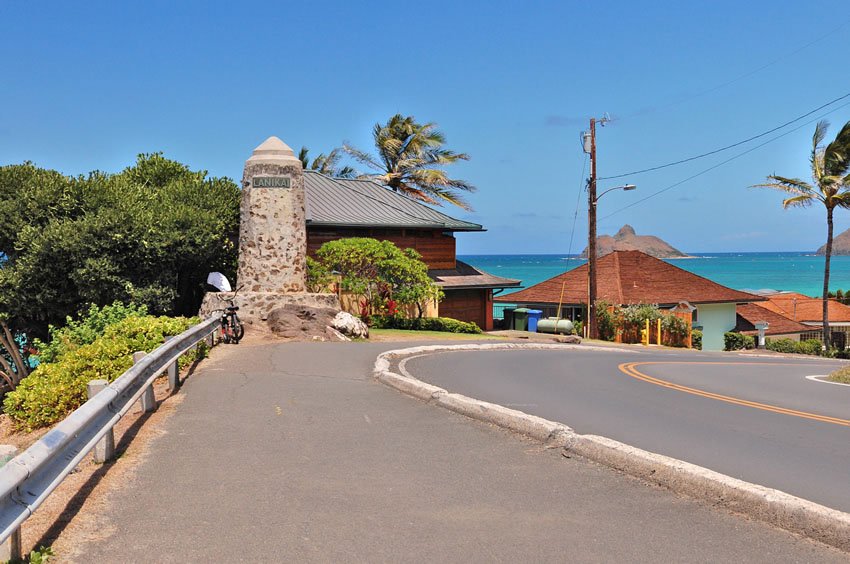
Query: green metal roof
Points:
[341, 202]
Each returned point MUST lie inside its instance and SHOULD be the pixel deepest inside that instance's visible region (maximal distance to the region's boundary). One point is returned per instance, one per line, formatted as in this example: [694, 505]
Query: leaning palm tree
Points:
[830, 166]
[410, 160]
[326, 164]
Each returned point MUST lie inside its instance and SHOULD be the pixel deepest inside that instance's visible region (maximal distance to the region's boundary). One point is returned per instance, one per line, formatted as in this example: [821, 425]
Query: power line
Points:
[578, 199]
[733, 145]
[739, 155]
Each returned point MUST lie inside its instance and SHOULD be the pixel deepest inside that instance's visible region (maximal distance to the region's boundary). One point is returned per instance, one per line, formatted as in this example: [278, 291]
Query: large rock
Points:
[303, 323]
[349, 325]
[627, 240]
[840, 244]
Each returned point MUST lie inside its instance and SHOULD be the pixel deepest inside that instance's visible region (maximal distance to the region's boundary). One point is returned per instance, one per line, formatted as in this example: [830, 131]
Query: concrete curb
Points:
[776, 507]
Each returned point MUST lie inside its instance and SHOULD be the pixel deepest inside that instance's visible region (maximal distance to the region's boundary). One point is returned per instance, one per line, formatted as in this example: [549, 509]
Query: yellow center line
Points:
[630, 369]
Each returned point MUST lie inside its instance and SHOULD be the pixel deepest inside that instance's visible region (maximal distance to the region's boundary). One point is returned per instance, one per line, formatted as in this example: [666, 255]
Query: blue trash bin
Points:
[533, 318]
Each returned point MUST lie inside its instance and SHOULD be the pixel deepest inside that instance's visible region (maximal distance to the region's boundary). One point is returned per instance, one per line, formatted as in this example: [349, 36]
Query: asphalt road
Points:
[757, 419]
[294, 453]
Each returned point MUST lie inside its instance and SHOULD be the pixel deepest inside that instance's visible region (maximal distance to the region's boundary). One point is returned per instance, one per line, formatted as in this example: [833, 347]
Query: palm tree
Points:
[326, 164]
[410, 160]
[830, 166]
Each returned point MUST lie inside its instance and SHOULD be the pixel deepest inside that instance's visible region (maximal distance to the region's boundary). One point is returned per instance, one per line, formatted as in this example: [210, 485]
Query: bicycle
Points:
[232, 329]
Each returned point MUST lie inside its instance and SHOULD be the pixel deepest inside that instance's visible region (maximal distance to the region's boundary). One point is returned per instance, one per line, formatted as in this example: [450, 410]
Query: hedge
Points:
[445, 324]
[54, 390]
[696, 339]
[811, 347]
[738, 341]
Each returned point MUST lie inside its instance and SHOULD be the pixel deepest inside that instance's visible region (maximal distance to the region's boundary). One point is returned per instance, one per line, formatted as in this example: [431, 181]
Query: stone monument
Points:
[272, 238]
[272, 231]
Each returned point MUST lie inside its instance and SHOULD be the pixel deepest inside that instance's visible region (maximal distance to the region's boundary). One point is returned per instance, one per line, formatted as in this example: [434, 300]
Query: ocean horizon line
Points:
[690, 254]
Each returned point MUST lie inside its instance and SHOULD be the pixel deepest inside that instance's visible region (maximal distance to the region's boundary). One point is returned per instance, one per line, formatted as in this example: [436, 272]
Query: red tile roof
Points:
[628, 277]
[799, 307]
[778, 324]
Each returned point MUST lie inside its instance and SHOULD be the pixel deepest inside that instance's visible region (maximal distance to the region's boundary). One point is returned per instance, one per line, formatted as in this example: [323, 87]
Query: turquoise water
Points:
[798, 272]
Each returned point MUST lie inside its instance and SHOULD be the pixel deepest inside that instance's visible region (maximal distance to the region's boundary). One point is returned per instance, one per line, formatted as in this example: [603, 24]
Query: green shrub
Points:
[606, 322]
[84, 330]
[696, 339]
[578, 328]
[53, 390]
[811, 346]
[781, 345]
[738, 341]
[445, 324]
[319, 278]
[675, 330]
[639, 314]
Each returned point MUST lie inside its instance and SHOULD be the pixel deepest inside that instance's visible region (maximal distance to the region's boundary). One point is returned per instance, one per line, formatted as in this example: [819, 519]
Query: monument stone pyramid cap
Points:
[273, 149]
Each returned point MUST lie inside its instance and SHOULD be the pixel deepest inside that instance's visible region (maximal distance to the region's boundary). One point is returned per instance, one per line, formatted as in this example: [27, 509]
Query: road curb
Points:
[776, 507]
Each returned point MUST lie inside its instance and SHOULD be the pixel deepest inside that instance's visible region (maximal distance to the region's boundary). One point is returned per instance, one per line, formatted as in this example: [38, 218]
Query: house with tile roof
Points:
[632, 277]
[808, 311]
[338, 208]
[778, 325]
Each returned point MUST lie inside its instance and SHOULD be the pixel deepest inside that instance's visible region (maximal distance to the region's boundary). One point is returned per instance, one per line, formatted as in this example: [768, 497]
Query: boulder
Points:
[300, 322]
[569, 339]
[350, 326]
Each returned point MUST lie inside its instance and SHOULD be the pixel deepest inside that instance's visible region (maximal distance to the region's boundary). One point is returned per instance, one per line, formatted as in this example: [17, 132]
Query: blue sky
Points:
[89, 85]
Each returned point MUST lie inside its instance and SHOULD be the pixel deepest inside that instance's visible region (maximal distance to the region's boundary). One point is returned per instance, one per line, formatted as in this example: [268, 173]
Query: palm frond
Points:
[302, 156]
[793, 186]
[361, 157]
[820, 133]
[842, 199]
[837, 153]
[797, 202]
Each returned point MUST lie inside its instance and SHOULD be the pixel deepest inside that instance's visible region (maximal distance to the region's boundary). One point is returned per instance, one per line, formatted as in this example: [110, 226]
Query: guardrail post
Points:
[211, 340]
[105, 448]
[173, 374]
[11, 549]
[148, 401]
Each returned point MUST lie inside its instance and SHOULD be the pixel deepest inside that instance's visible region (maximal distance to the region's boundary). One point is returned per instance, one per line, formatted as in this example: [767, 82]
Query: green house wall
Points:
[715, 319]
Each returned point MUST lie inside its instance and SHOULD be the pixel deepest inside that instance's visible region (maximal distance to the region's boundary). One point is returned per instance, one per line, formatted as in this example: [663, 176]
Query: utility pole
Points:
[589, 146]
[592, 330]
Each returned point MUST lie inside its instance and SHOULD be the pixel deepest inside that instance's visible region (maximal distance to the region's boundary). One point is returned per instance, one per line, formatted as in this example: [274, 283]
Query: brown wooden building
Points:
[338, 208]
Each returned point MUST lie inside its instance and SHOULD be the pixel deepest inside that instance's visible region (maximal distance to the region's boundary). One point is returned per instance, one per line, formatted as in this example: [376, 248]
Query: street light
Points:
[592, 199]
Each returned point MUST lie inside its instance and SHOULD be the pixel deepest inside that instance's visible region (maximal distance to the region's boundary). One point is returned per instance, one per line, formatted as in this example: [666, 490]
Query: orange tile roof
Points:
[799, 307]
[628, 277]
[778, 324]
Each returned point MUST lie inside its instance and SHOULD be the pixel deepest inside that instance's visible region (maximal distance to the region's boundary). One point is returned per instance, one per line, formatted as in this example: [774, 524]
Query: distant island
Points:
[840, 244]
[627, 240]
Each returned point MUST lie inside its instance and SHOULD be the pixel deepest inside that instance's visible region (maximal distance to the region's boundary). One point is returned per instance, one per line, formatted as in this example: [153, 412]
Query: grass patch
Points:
[410, 335]
[842, 375]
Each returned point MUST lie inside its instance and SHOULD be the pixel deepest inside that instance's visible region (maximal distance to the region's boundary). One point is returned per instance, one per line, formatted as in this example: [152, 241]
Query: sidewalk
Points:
[291, 452]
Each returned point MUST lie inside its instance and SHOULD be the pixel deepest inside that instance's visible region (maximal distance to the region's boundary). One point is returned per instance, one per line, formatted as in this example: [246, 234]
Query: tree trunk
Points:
[12, 347]
[827, 254]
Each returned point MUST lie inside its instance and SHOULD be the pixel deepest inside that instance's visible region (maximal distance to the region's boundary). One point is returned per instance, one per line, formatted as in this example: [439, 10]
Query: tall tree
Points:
[326, 164]
[149, 234]
[831, 187]
[410, 160]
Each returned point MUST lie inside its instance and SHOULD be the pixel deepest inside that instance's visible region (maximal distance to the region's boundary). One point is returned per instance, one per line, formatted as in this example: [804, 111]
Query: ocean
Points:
[798, 272]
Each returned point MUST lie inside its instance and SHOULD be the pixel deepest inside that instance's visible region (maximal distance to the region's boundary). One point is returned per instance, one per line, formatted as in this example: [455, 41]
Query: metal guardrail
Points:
[27, 479]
